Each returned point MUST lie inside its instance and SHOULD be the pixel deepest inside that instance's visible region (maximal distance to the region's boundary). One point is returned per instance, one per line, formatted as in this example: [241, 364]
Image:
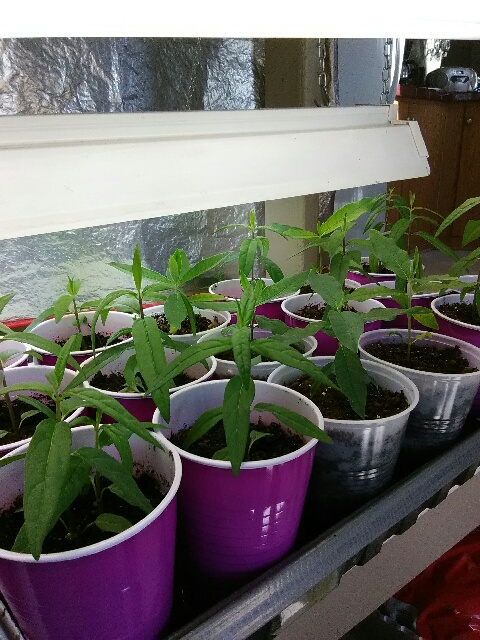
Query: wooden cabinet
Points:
[451, 129]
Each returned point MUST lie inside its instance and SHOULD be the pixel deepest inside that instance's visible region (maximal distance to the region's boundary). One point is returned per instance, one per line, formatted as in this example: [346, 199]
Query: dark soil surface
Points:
[307, 288]
[115, 382]
[28, 426]
[280, 444]
[423, 357]
[101, 340]
[381, 269]
[381, 403]
[316, 311]
[80, 514]
[202, 324]
[461, 311]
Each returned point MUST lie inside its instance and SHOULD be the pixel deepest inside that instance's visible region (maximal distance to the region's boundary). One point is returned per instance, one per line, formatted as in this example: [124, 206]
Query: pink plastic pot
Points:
[377, 277]
[454, 328]
[401, 322]
[139, 405]
[232, 290]
[118, 589]
[238, 525]
[62, 330]
[326, 345]
[33, 373]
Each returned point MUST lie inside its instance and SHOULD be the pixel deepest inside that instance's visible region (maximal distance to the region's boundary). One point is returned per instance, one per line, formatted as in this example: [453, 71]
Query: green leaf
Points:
[112, 523]
[203, 266]
[438, 244]
[247, 255]
[456, 213]
[236, 418]
[46, 469]
[195, 353]
[202, 425]
[274, 350]
[39, 406]
[399, 229]
[4, 300]
[283, 287]
[394, 258]
[117, 474]
[39, 343]
[241, 352]
[346, 214]
[72, 344]
[152, 362]
[254, 436]
[137, 268]
[347, 327]
[4, 433]
[471, 232]
[328, 288]
[6, 460]
[271, 268]
[175, 310]
[118, 438]
[110, 406]
[426, 319]
[73, 286]
[298, 423]
[61, 306]
[339, 266]
[351, 378]
[221, 454]
[78, 474]
[38, 387]
[288, 231]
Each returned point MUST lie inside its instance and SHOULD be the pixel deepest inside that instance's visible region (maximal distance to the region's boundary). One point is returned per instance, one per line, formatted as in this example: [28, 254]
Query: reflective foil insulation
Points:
[102, 75]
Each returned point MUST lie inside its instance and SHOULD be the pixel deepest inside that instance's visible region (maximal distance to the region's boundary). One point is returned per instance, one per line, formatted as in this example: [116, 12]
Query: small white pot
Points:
[445, 399]
[223, 318]
[260, 371]
[65, 328]
[19, 359]
[362, 458]
[33, 373]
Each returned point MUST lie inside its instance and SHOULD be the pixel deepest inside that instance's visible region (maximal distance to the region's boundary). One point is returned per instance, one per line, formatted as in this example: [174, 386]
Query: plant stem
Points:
[96, 485]
[409, 323]
[8, 402]
[77, 323]
[476, 294]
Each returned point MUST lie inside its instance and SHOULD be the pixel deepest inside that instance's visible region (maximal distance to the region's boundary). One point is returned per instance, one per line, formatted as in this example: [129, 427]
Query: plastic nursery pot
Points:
[362, 458]
[18, 360]
[118, 588]
[445, 399]
[139, 405]
[378, 277]
[223, 317]
[236, 525]
[232, 290]
[261, 370]
[34, 373]
[455, 328]
[401, 322]
[62, 330]
[326, 345]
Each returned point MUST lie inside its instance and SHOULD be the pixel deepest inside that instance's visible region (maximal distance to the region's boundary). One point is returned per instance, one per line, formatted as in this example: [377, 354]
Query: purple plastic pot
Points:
[454, 328]
[34, 373]
[118, 589]
[63, 329]
[238, 525]
[377, 277]
[400, 322]
[139, 405]
[326, 345]
[232, 290]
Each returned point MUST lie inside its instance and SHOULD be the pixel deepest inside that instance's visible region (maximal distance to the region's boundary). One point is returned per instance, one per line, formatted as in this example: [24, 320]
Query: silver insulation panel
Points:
[101, 75]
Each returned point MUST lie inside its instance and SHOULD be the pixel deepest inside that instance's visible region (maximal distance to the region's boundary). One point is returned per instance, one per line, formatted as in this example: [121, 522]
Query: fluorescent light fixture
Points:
[70, 171]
